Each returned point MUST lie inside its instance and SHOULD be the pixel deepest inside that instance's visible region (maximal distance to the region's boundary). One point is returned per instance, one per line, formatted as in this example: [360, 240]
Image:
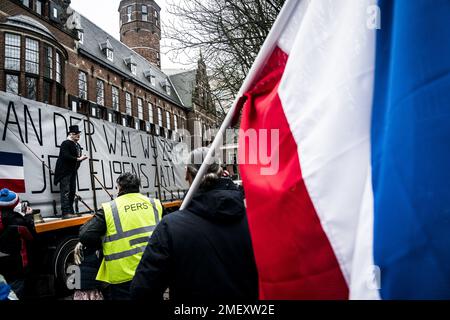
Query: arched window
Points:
[140, 109]
[82, 85]
[160, 122]
[115, 98]
[128, 104]
[150, 112]
[168, 120]
[100, 92]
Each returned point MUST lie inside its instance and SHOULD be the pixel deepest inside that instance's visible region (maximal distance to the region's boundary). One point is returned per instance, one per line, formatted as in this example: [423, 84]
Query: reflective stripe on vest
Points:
[127, 235]
[120, 234]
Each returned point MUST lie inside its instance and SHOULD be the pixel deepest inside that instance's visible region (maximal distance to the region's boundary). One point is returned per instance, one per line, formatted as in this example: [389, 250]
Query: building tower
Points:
[140, 28]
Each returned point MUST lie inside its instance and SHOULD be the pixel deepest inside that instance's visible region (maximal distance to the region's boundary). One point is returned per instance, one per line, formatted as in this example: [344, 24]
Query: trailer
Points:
[32, 133]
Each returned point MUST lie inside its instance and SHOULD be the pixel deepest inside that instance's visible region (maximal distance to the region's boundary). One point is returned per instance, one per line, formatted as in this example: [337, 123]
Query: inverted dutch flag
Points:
[360, 204]
[11, 172]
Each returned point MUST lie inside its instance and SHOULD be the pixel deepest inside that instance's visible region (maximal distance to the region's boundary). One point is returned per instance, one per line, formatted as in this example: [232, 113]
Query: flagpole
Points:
[266, 49]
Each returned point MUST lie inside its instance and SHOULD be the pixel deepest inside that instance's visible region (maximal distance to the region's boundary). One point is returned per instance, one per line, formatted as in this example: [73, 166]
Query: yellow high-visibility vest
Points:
[130, 220]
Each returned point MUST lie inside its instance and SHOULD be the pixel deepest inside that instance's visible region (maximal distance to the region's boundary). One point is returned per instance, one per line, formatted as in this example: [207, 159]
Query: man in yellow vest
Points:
[122, 228]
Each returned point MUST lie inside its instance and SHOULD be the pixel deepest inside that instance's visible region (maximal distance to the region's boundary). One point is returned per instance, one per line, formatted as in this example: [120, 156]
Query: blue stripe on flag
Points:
[11, 159]
[410, 150]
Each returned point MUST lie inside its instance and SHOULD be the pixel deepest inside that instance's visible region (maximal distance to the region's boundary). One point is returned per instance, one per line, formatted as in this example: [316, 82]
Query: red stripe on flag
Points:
[294, 257]
[16, 185]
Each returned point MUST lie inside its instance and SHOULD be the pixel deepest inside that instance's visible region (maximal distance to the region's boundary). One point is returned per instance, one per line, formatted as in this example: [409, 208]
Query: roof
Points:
[28, 23]
[171, 72]
[94, 37]
[184, 83]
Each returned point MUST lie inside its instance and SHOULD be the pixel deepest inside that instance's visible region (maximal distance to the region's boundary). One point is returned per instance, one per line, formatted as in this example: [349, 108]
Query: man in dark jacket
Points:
[16, 232]
[203, 253]
[67, 165]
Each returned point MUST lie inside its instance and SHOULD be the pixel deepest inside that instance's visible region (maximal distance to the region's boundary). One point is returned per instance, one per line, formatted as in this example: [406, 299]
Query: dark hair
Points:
[128, 183]
[214, 171]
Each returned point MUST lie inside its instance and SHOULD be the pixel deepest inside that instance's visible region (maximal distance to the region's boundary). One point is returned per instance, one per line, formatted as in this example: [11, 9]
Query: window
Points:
[159, 117]
[124, 121]
[12, 83]
[168, 120]
[93, 111]
[166, 86]
[140, 109]
[175, 122]
[107, 49]
[48, 62]
[39, 6]
[59, 68]
[82, 85]
[100, 92]
[150, 112]
[81, 36]
[12, 51]
[136, 124]
[144, 13]
[149, 74]
[47, 91]
[115, 98]
[55, 13]
[31, 56]
[31, 92]
[110, 54]
[110, 117]
[128, 104]
[129, 10]
[26, 3]
[131, 64]
[133, 69]
[156, 14]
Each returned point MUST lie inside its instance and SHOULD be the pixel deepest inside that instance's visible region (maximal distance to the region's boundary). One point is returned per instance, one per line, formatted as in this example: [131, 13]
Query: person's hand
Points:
[29, 210]
[83, 157]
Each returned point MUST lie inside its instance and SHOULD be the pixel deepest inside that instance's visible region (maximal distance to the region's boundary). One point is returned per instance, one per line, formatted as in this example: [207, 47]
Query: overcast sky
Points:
[105, 14]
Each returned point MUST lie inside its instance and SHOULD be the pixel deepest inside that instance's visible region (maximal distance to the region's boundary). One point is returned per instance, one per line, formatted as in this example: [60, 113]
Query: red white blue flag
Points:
[351, 199]
[11, 172]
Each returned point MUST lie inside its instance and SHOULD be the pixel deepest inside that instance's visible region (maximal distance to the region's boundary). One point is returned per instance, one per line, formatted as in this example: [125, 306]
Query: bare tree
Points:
[229, 33]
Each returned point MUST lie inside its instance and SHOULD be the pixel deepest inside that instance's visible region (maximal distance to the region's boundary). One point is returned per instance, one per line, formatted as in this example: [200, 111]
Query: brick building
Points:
[50, 53]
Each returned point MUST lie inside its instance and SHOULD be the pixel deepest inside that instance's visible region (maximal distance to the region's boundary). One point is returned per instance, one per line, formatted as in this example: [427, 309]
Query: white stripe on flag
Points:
[290, 31]
[326, 93]
[11, 172]
[365, 279]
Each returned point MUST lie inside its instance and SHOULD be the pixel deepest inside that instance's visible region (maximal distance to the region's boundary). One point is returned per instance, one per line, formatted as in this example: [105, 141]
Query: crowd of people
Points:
[132, 249]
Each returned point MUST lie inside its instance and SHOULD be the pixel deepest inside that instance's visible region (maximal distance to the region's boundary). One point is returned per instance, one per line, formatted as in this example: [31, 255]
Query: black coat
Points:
[89, 268]
[15, 231]
[67, 163]
[203, 253]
